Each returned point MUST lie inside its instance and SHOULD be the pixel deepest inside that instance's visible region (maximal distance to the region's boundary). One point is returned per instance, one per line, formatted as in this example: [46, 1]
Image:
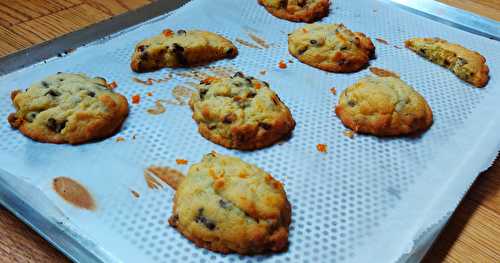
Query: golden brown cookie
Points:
[227, 205]
[297, 10]
[181, 49]
[240, 112]
[383, 106]
[468, 65]
[68, 108]
[331, 47]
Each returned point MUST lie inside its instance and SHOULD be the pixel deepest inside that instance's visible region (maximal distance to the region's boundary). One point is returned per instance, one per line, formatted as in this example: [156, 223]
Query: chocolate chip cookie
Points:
[383, 106]
[331, 47]
[181, 49]
[240, 112]
[297, 10]
[468, 65]
[68, 108]
[227, 205]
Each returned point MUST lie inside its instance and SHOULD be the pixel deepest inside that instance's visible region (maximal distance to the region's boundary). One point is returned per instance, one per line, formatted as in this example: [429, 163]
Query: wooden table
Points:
[472, 235]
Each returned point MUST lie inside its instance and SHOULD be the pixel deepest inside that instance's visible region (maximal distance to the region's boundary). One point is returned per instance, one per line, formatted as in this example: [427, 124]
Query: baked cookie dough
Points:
[227, 205]
[68, 108]
[468, 65]
[331, 47]
[240, 112]
[383, 106]
[181, 49]
[297, 10]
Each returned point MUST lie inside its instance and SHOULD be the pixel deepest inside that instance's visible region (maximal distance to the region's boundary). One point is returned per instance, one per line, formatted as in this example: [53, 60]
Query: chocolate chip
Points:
[224, 204]
[53, 93]
[265, 83]
[229, 51]
[460, 62]
[212, 126]
[351, 103]
[249, 80]
[265, 126]
[181, 32]
[275, 99]
[140, 48]
[301, 3]
[237, 84]
[45, 84]
[203, 92]
[179, 54]
[230, 118]
[303, 50]
[201, 219]
[313, 42]
[91, 93]
[283, 3]
[251, 94]
[56, 126]
[239, 75]
[31, 116]
[344, 48]
[144, 55]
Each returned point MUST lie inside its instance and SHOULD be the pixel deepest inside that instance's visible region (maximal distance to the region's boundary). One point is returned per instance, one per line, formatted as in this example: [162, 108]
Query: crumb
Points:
[112, 85]
[149, 94]
[158, 109]
[263, 72]
[136, 99]
[290, 61]
[383, 41]
[398, 47]
[323, 148]
[349, 134]
[333, 91]
[135, 194]
[144, 82]
[383, 72]
[120, 139]
[181, 161]
[282, 64]
[133, 137]
[168, 32]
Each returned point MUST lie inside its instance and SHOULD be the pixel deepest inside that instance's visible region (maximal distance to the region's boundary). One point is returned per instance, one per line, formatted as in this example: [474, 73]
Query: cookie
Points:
[68, 108]
[227, 205]
[181, 49]
[297, 10]
[240, 112]
[383, 106]
[331, 47]
[468, 65]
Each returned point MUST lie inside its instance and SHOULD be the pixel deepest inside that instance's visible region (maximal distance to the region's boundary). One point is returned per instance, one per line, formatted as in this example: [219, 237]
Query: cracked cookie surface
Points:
[331, 47]
[297, 10]
[466, 64]
[383, 106]
[227, 205]
[68, 108]
[181, 49]
[240, 112]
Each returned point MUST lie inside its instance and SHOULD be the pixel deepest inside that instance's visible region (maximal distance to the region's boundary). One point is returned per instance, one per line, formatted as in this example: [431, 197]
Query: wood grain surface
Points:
[472, 235]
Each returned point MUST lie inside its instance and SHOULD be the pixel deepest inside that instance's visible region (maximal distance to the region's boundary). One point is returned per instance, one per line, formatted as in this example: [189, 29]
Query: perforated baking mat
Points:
[366, 199]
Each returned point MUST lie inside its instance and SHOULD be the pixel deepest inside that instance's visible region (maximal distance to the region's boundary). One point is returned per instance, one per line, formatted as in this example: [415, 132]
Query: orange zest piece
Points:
[112, 85]
[349, 134]
[282, 65]
[181, 161]
[333, 91]
[257, 85]
[168, 32]
[149, 94]
[120, 139]
[323, 148]
[209, 80]
[136, 99]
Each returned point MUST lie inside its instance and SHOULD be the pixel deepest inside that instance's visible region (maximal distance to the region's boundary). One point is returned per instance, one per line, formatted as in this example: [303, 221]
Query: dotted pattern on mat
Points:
[338, 198]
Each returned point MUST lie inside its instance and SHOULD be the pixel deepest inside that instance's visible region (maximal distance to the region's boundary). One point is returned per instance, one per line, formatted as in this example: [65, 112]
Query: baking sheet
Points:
[366, 198]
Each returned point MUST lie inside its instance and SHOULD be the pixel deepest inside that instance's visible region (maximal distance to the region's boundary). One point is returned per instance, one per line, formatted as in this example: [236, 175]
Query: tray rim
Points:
[72, 247]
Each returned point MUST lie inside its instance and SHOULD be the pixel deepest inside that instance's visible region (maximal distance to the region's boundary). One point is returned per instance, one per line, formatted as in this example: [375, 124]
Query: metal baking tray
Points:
[378, 212]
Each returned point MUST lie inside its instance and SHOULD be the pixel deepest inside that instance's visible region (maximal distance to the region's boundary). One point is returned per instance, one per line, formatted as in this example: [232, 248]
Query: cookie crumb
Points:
[158, 109]
[290, 61]
[181, 161]
[383, 41]
[282, 65]
[323, 148]
[333, 91]
[136, 99]
[263, 72]
[398, 47]
[135, 194]
[112, 85]
[383, 72]
[349, 134]
[144, 82]
[149, 94]
[133, 137]
[120, 139]
[168, 32]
